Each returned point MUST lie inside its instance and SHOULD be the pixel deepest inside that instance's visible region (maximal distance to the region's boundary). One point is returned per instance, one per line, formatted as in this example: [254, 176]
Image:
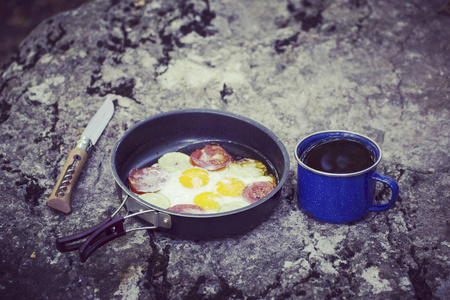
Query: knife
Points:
[60, 197]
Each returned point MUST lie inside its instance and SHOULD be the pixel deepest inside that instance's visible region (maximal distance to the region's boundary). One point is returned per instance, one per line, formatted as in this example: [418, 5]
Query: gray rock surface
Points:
[380, 68]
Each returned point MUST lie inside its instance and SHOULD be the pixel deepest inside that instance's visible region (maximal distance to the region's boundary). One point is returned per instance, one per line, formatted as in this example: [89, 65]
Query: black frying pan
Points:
[186, 131]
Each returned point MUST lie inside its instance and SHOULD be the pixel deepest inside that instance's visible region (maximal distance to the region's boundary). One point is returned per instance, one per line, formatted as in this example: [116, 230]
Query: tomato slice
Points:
[187, 208]
[257, 190]
[212, 157]
[147, 180]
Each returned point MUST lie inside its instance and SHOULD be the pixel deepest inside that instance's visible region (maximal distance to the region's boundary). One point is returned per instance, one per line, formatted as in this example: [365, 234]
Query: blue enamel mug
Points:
[339, 196]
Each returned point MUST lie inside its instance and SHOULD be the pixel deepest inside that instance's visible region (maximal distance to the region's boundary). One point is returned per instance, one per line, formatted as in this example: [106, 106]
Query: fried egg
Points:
[191, 186]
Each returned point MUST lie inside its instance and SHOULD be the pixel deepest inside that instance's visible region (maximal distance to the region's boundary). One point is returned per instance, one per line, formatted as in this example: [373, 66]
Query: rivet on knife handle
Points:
[60, 197]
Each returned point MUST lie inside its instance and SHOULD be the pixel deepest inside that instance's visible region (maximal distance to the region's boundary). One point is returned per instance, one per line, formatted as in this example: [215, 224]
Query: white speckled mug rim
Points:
[350, 134]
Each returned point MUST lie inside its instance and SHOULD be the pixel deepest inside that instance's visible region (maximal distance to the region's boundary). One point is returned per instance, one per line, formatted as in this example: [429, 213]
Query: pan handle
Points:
[74, 242]
[109, 231]
[114, 229]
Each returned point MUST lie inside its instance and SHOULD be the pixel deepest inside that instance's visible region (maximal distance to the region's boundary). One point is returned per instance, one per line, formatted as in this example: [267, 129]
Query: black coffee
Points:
[339, 155]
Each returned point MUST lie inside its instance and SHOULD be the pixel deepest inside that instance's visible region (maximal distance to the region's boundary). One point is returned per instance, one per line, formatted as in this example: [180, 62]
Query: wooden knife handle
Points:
[60, 197]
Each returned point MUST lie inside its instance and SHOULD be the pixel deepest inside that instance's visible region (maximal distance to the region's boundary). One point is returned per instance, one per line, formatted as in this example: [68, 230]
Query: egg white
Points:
[179, 194]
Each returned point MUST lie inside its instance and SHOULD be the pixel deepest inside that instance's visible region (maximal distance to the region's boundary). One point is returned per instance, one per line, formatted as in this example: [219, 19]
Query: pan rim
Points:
[125, 189]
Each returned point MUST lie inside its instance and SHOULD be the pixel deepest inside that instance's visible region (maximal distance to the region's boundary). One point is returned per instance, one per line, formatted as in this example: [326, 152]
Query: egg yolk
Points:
[194, 178]
[207, 200]
[230, 187]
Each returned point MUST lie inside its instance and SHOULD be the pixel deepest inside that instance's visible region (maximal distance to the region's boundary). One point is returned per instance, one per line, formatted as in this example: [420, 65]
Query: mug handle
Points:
[394, 188]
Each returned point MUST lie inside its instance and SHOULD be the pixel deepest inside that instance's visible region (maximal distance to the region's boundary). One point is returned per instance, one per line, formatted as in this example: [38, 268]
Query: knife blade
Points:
[60, 197]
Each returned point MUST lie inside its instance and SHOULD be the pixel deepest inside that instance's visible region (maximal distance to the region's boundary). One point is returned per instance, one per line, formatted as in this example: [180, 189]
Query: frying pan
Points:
[185, 131]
